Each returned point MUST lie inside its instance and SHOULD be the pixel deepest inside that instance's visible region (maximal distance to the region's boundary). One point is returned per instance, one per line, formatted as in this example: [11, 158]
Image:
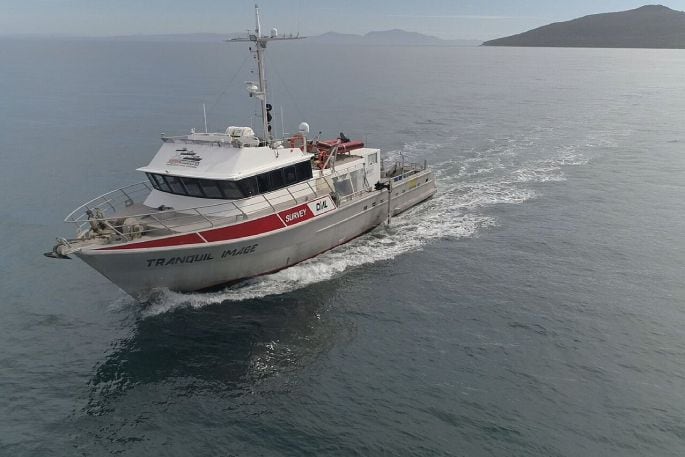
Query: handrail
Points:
[351, 196]
[187, 219]
[173, 220]
[86, 205]
[407, 169]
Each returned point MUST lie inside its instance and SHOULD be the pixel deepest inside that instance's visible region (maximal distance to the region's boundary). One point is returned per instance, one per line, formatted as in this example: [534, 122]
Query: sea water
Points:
[534, 306]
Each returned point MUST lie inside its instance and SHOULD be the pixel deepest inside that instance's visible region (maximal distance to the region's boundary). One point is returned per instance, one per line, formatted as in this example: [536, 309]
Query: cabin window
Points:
[158, 182]
[193, 187]
[304, 171]
[372, 158]
[232, 190]
[152, 180]
[162, 183]
[263, 183]
[210, 188]
[276, 179]
[175, 185]
[290, 175]
[249, 186]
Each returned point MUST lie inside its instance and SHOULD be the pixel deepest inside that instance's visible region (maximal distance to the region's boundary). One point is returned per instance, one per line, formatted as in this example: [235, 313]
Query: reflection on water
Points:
[223, 349]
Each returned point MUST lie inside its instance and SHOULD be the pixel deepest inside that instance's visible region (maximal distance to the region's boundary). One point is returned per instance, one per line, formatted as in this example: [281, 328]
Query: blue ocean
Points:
[534, 307]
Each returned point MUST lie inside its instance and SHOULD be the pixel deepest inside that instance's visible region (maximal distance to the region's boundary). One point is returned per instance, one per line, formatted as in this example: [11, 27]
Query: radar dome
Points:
[303, 128]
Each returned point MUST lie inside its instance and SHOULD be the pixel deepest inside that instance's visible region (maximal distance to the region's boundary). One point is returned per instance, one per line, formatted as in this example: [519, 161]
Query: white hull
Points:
[199, 266]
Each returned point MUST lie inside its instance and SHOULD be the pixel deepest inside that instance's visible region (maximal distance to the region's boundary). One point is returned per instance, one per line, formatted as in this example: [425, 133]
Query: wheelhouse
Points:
[232, 189]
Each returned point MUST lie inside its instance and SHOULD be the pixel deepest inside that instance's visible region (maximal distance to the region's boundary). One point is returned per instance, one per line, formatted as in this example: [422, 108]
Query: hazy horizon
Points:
[211, 34]
[451, 20]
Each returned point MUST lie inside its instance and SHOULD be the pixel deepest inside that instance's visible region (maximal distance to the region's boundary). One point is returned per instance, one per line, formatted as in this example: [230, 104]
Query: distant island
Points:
[651, 26]
[394, 37]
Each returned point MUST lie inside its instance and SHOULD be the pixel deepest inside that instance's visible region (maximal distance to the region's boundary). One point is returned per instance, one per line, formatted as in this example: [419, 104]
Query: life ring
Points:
[296, 141]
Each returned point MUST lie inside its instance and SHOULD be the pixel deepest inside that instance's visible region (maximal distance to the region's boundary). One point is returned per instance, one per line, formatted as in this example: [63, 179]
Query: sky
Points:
[448, 19]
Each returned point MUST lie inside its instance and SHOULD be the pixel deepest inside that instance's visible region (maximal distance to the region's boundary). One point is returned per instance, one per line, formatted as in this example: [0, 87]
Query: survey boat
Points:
[219, 207]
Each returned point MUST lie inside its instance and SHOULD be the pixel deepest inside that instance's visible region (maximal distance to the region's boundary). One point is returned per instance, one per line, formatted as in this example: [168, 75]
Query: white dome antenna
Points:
[252, 89]
[303, 129]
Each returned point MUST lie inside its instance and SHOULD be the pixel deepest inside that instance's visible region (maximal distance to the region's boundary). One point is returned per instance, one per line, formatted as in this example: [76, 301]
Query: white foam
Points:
[568, 156]
[416, 148]
[541, 174]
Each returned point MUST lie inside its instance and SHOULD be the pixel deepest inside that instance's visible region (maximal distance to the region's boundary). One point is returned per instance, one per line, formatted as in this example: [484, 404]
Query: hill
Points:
[651, 26]
[395, 37]
[382, 38]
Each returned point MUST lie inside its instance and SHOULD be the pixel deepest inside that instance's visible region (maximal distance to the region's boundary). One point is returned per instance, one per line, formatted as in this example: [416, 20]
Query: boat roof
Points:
[215, 156]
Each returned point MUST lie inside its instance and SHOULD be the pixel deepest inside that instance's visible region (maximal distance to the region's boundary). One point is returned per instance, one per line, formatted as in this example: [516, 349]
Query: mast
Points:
[259, 89]
[259, 50]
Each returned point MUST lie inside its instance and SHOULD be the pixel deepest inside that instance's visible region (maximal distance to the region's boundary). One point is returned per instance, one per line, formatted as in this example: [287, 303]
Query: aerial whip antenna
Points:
[258, 89]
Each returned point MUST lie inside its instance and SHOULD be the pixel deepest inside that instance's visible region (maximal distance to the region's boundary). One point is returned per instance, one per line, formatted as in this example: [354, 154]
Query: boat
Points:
[217, 208]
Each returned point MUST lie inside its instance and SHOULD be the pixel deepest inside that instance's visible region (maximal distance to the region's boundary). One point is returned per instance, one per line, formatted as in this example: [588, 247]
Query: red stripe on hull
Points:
[190, 238]
[250, 228]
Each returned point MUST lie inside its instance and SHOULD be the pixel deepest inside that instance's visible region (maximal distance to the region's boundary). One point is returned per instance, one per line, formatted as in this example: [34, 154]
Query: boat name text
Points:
[165, 261]
[239, 251]
[175, 260]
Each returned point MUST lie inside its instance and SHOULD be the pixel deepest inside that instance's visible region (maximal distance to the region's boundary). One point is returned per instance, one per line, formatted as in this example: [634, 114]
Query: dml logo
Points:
[185, 158]
[321, 206]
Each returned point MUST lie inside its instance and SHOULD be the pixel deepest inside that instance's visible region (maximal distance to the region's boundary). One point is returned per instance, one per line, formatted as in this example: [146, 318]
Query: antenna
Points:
[282, 124]
[259, 89]
[204, 112]
[258, 30]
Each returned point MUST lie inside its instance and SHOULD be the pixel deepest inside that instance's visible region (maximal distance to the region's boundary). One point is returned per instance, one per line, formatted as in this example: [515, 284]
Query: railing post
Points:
[329, 185]
[211, 224]
[312, 189]
[245, 216]
[291, 195]
[160, 222]
[128, 197]
[109, 202]
[267, 200]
